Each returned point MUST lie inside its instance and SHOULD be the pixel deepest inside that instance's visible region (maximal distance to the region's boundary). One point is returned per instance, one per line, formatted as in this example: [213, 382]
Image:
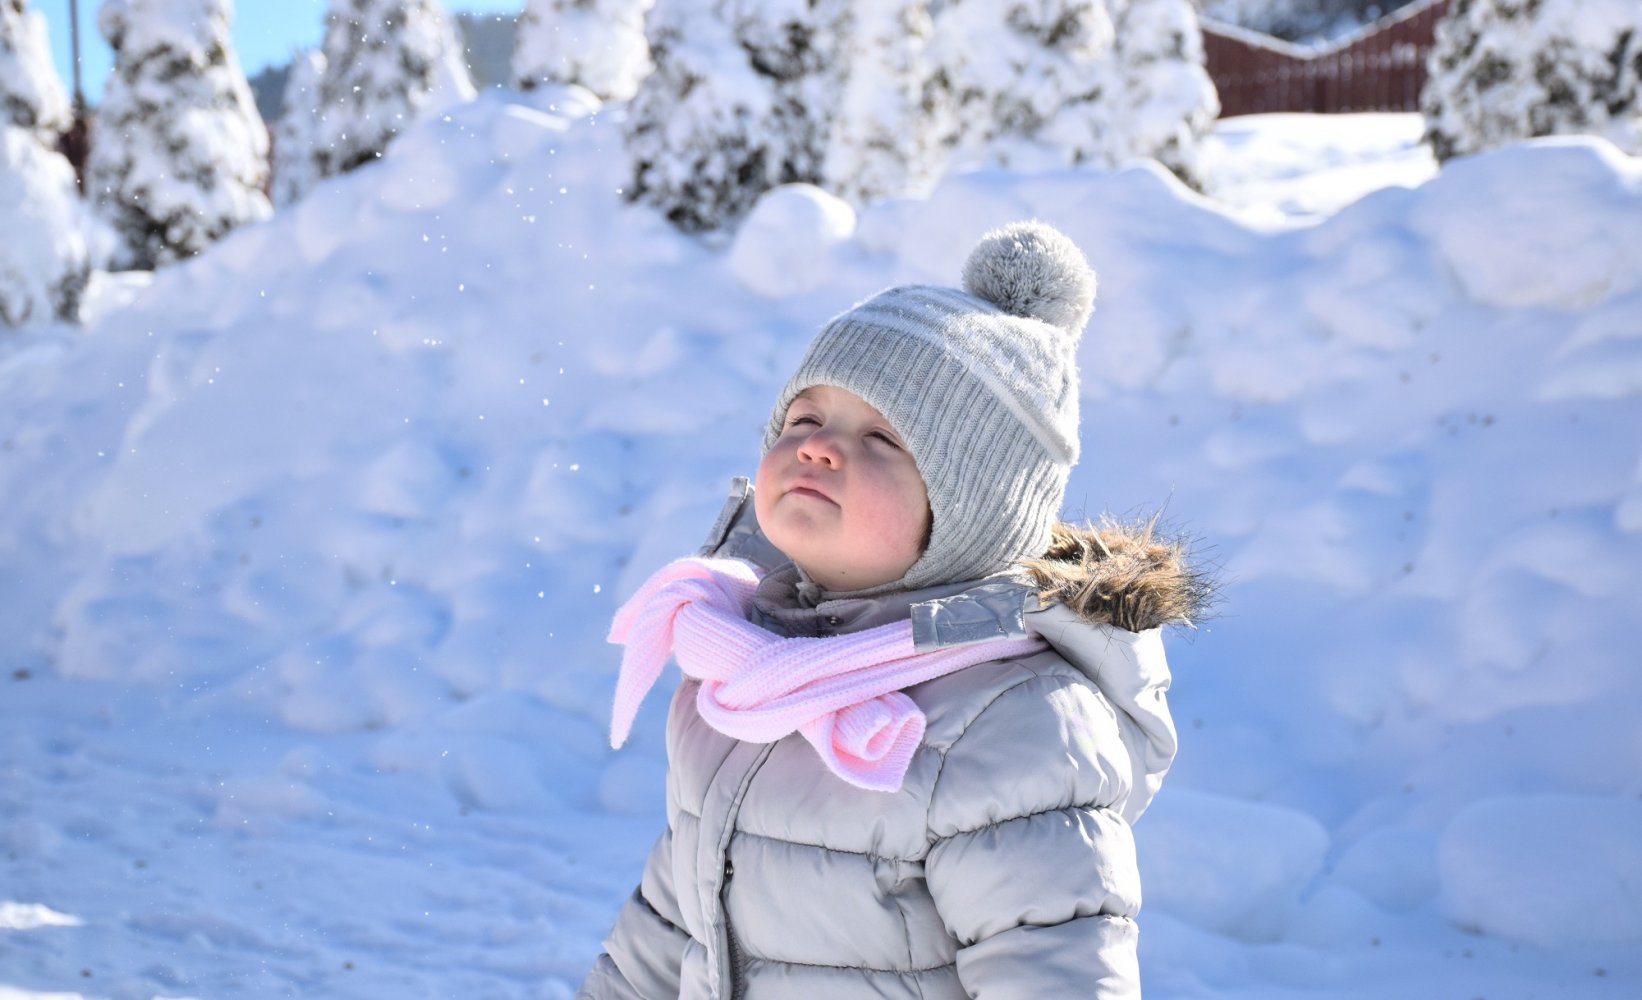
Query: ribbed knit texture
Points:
[841, 693]
[986, 399]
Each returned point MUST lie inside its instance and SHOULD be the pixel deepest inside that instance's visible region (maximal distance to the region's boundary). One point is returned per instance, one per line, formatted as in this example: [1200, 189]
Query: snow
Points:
[1555, 870]
[1471, 228]
[786, 243]
[312, 541]
[28, 916]
[1246, 880]
[1312, 165]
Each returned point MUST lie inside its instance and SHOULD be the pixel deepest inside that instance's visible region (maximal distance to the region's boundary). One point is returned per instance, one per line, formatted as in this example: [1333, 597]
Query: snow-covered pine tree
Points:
[44, 262]
[31, 95]
[691, 131]
[882, 142]
[1165, 101]
[799, 45]
[740, 100]
[1023, 82]
[386, 62]
[293, 156]
[179, 155]
[1512, 69]
[1308, 21]
[598, 44]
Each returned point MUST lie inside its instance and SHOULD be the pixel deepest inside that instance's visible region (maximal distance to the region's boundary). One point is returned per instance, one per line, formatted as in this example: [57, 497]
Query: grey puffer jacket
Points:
[1004, 867]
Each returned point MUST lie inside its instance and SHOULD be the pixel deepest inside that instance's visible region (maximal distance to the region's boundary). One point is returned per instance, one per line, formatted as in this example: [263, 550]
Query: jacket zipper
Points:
[734, 952]
[729, 938]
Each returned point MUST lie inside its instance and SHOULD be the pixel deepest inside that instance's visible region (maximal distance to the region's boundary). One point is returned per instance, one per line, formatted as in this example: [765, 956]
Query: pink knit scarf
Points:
[842, 693]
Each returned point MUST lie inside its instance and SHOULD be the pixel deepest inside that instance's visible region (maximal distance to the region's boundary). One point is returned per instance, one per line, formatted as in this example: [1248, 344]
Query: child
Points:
[918, 715]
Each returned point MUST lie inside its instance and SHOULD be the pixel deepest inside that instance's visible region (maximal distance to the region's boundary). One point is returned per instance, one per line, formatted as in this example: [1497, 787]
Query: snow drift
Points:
[310, 551]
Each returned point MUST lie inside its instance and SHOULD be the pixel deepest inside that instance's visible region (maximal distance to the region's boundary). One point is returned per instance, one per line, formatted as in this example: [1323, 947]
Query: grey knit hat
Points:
[981, 384]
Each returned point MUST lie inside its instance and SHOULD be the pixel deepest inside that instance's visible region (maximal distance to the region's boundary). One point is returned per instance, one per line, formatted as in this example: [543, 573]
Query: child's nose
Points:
[822, 446]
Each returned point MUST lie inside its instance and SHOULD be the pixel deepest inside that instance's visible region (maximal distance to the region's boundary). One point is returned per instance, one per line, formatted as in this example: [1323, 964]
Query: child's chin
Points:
[798, 536]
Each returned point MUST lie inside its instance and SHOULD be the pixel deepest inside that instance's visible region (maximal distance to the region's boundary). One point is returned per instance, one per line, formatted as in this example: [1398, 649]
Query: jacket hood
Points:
[1121, 574]
[1103, 594]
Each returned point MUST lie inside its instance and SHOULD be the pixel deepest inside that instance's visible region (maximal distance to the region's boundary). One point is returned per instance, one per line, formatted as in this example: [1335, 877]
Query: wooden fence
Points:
[1379, 68]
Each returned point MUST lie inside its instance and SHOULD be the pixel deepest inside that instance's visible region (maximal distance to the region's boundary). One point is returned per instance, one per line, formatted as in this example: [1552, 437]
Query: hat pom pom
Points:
[1032, 270]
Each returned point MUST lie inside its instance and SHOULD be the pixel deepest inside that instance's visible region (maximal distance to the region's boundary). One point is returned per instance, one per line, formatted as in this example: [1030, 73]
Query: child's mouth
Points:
[809, 491]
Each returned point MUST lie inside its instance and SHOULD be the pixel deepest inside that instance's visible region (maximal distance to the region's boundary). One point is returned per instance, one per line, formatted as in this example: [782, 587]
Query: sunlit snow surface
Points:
[308, 548]
[1294, 167]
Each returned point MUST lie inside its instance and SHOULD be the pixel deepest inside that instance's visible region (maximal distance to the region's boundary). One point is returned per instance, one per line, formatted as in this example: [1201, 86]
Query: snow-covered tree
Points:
[386, 63]
[1301, 20]
[800, 46]
[882, 142]
[1165, 102]
[1512, 69]
[692, 131]
[598, 44]
[179, 155]
[1023, 82]
[294, 168]
[44, 261]
[31, 95]
[740, 100]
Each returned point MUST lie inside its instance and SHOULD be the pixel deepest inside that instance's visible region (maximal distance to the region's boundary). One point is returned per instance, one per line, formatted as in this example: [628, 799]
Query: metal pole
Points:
[75, 143]
[74, 46]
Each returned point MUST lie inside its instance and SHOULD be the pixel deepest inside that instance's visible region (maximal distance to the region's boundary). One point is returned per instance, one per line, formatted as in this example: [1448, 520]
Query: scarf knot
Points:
[843, 694]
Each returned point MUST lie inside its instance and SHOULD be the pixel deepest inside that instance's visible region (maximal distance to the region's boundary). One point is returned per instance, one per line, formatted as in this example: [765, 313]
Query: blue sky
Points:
[265, 33]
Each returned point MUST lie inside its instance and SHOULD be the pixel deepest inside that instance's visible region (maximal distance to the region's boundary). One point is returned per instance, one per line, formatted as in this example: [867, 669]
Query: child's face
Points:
[840, 494]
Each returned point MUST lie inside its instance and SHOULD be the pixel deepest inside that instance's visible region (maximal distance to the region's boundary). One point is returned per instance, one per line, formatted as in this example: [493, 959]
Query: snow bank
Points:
[1233, 867]
[322, 530]
[1475, 212]
[785, 245]
[28, 916]
[1546, 869]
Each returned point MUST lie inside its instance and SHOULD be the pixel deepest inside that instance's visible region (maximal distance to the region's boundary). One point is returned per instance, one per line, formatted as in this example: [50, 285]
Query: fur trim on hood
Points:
[1121, 574]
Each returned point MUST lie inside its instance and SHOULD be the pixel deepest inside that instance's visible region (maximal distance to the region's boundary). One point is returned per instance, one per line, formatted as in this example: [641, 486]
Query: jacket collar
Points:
[789, 604]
